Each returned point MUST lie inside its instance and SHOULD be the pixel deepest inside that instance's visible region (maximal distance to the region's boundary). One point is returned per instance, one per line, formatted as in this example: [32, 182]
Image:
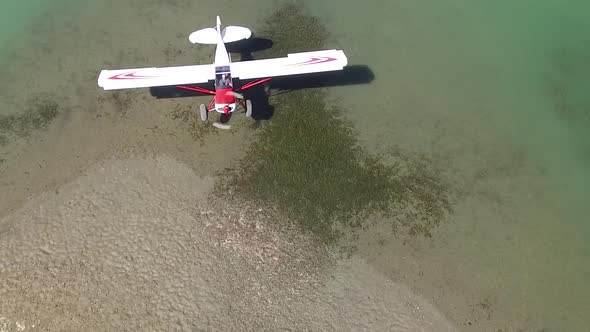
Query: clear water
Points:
[19, 15]
[498, 91]
[474, 84]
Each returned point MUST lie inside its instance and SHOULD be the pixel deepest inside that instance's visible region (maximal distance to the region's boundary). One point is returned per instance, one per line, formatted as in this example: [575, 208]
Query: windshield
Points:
[223, 81]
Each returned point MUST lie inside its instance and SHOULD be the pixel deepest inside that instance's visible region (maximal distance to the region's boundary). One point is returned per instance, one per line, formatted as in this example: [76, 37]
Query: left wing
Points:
[292, 64]
[154, 76]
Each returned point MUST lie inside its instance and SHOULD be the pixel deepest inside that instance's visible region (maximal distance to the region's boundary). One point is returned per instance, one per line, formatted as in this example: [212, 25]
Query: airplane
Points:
[223, 71]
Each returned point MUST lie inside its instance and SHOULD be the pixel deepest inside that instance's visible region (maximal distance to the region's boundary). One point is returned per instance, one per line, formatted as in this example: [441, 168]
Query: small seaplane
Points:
[223, 71]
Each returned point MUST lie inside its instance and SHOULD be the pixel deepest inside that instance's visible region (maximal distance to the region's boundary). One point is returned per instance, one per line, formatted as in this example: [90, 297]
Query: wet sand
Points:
[105, 218]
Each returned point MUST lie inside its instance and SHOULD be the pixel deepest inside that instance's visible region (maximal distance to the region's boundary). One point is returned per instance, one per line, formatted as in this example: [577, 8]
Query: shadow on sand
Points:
[259, 95]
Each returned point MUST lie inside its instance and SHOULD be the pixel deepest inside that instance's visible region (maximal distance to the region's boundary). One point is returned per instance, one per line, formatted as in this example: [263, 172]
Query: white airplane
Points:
[223, 71]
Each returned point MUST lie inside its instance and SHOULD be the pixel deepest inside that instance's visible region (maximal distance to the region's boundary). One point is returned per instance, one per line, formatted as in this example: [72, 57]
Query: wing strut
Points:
[254, 83]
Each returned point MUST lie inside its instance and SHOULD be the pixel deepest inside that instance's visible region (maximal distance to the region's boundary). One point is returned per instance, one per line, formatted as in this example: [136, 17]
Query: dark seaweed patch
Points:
[308, 165]
[40, 111]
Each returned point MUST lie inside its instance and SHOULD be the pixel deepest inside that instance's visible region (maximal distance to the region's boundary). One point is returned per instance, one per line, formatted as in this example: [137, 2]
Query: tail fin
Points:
[233, 33]
[228, 34]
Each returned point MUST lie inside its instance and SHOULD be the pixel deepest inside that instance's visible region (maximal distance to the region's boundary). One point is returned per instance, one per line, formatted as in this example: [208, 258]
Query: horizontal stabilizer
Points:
[204, 36]
[229, 34]
[234, 33]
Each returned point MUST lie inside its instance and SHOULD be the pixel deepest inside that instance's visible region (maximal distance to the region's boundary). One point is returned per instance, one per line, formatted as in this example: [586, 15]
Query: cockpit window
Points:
[223, 81]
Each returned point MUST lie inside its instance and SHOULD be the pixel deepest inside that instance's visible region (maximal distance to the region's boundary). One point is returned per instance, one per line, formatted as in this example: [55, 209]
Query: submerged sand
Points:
[81, 252]
[136, 244]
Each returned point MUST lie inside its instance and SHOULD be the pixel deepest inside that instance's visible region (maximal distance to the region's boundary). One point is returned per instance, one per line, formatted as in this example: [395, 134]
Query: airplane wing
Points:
[292, 64]
[155, 76]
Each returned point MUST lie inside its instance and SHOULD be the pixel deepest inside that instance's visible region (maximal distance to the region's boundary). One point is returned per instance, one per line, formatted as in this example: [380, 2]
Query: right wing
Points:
[155, 76]
[292, 64]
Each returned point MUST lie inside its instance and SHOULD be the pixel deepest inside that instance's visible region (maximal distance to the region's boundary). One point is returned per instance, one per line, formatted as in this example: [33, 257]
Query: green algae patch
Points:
[308, 166]
[40, 111]
[292, 29]
[198, 129]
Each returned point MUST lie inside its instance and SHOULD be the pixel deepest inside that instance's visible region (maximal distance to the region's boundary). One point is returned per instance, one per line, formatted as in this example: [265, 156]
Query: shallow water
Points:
[496, 93]
[493, 92]
[17, 15]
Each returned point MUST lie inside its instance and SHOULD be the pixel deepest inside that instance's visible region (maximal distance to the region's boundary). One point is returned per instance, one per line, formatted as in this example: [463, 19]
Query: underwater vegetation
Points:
[39, 112]
[308, 165]
[186, 114]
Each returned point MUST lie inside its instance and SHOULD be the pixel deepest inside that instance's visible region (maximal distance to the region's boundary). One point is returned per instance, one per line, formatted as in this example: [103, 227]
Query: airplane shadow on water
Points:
[260, 94]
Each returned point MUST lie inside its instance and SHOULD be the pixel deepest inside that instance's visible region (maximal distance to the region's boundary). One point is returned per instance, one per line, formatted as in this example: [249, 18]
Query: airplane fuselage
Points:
[224, 101]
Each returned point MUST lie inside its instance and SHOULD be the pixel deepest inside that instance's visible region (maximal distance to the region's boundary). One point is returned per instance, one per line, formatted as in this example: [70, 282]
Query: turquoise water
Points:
[526, 67]
[495, 88]
[17, 16]
[545, 46]
[533, 56]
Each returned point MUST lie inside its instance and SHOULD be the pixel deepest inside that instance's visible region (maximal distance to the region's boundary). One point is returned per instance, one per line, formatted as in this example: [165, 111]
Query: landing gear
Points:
[224, 118]
[247, 105]
[203, 112]
[223, 122]
[248, 108]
